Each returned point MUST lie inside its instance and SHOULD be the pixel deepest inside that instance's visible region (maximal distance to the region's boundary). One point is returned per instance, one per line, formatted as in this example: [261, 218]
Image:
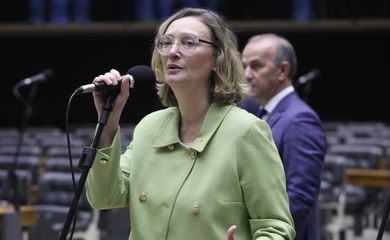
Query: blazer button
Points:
[142, 197]
[103, 162]
[195, 209]
[171, 147]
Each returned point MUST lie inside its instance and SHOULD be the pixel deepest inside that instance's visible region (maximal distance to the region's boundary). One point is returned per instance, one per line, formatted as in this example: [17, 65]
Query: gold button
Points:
[103, 162]
[171, 147]
[195, 209]
[142, 197]
[193, 155]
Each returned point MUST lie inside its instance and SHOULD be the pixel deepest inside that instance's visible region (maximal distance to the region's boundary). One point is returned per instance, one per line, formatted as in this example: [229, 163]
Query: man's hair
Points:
[284, 51]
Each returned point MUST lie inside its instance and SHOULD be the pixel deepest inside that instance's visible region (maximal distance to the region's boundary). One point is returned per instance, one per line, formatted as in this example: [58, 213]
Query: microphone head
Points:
[48, 73]
[38, 78]
[315, 72]
[310, 76]
[143, 76]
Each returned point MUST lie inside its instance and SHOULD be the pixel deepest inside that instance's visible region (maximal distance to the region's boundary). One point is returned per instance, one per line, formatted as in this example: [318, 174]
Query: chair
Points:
[25, 150]
[126, 136]
[7, 192]
[108, 224]
[333, 139]
[358, 198]
[333, 126]
[387, 157]
[60, 164]
[377, 141]
[85, 132]
[27, 163]
[368, 141]
[11, 227]
[14, 141]
[9, 131]
[42, 132]
[332, 196]
[60, 142]
[62, 151]
[359, 156]
[363, 129]
[55, 195]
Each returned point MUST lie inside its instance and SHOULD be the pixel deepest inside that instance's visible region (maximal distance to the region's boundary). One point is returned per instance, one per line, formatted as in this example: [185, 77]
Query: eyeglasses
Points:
[186, 43]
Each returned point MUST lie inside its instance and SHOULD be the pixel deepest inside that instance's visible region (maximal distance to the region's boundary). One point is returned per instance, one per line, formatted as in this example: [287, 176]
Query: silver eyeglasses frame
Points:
[186, 43]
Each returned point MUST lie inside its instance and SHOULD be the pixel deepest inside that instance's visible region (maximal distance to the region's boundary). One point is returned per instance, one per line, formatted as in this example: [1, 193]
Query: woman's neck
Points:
[192, 114]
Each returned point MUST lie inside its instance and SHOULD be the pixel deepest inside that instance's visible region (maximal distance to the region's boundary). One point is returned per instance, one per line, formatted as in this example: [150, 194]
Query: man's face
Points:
[260, 70]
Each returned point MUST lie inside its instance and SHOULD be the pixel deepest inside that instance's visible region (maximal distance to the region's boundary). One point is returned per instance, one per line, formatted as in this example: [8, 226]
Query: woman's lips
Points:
[172, 68]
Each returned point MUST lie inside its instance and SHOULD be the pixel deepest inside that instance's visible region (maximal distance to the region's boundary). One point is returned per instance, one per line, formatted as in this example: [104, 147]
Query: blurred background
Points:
[345, 41]
[348, 41]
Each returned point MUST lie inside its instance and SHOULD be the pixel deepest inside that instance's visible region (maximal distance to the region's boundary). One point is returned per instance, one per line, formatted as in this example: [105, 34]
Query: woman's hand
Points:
[230, 232]
[111, 78]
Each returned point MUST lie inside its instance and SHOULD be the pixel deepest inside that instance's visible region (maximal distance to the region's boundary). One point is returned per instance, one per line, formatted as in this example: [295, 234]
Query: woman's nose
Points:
[174, 51]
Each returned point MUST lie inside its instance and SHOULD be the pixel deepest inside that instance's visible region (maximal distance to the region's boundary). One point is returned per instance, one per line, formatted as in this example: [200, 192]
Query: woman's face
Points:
[187, 63]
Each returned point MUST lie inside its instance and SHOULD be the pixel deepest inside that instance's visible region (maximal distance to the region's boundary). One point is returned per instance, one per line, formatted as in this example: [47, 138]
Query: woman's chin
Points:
[174, 78]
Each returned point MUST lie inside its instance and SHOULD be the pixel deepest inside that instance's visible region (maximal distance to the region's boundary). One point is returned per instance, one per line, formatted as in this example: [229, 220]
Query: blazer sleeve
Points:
[263, 184]
[107, 184]
[303, 154]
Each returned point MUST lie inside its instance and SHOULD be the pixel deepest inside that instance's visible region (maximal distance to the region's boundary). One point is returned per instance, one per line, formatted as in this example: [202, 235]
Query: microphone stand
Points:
[13, 181]
[384, 219]
[27, 113]
[303, 88]
[87, 157]
[306, 91]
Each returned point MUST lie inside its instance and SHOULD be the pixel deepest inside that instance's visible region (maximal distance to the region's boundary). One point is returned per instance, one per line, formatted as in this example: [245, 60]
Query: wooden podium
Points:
[29, 215]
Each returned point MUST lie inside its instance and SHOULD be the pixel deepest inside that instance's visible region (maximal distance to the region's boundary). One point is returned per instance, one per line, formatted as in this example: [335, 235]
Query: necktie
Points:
[261, 113]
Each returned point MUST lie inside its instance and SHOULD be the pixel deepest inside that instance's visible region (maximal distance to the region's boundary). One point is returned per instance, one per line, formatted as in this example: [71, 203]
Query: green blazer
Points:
[230, 175]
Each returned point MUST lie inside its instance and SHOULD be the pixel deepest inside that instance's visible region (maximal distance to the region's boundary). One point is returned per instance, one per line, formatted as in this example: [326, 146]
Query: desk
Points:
[369, 177]
[29, 214]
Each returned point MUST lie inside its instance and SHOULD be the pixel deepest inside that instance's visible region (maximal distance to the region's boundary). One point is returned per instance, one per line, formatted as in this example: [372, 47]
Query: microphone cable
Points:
[74, 220]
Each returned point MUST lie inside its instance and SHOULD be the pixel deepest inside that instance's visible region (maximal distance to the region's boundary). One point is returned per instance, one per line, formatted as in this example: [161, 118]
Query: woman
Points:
[202, 165]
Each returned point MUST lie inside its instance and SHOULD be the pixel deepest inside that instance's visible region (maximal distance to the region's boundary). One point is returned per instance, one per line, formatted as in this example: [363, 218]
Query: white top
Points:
[273, 102]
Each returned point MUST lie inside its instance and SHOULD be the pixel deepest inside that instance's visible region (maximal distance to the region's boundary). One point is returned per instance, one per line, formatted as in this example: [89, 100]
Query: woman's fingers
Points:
[110, 78]
[230, 232]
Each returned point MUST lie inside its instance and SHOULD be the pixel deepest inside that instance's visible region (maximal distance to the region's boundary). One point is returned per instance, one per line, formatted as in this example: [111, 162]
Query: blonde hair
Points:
[227, 82]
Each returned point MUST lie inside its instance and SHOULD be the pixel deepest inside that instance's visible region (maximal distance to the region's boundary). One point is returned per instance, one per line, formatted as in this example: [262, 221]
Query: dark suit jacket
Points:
[300, 139]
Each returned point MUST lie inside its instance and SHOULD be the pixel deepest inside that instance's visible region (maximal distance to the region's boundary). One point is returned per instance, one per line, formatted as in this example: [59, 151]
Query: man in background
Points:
[270, 64]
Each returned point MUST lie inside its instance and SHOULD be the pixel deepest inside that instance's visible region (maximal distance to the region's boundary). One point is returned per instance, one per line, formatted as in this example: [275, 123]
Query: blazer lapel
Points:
[277, 113]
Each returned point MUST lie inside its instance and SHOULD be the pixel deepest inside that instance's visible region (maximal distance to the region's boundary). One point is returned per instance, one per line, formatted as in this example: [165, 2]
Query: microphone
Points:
[142, 76]
[38, 78]
[308, 77]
